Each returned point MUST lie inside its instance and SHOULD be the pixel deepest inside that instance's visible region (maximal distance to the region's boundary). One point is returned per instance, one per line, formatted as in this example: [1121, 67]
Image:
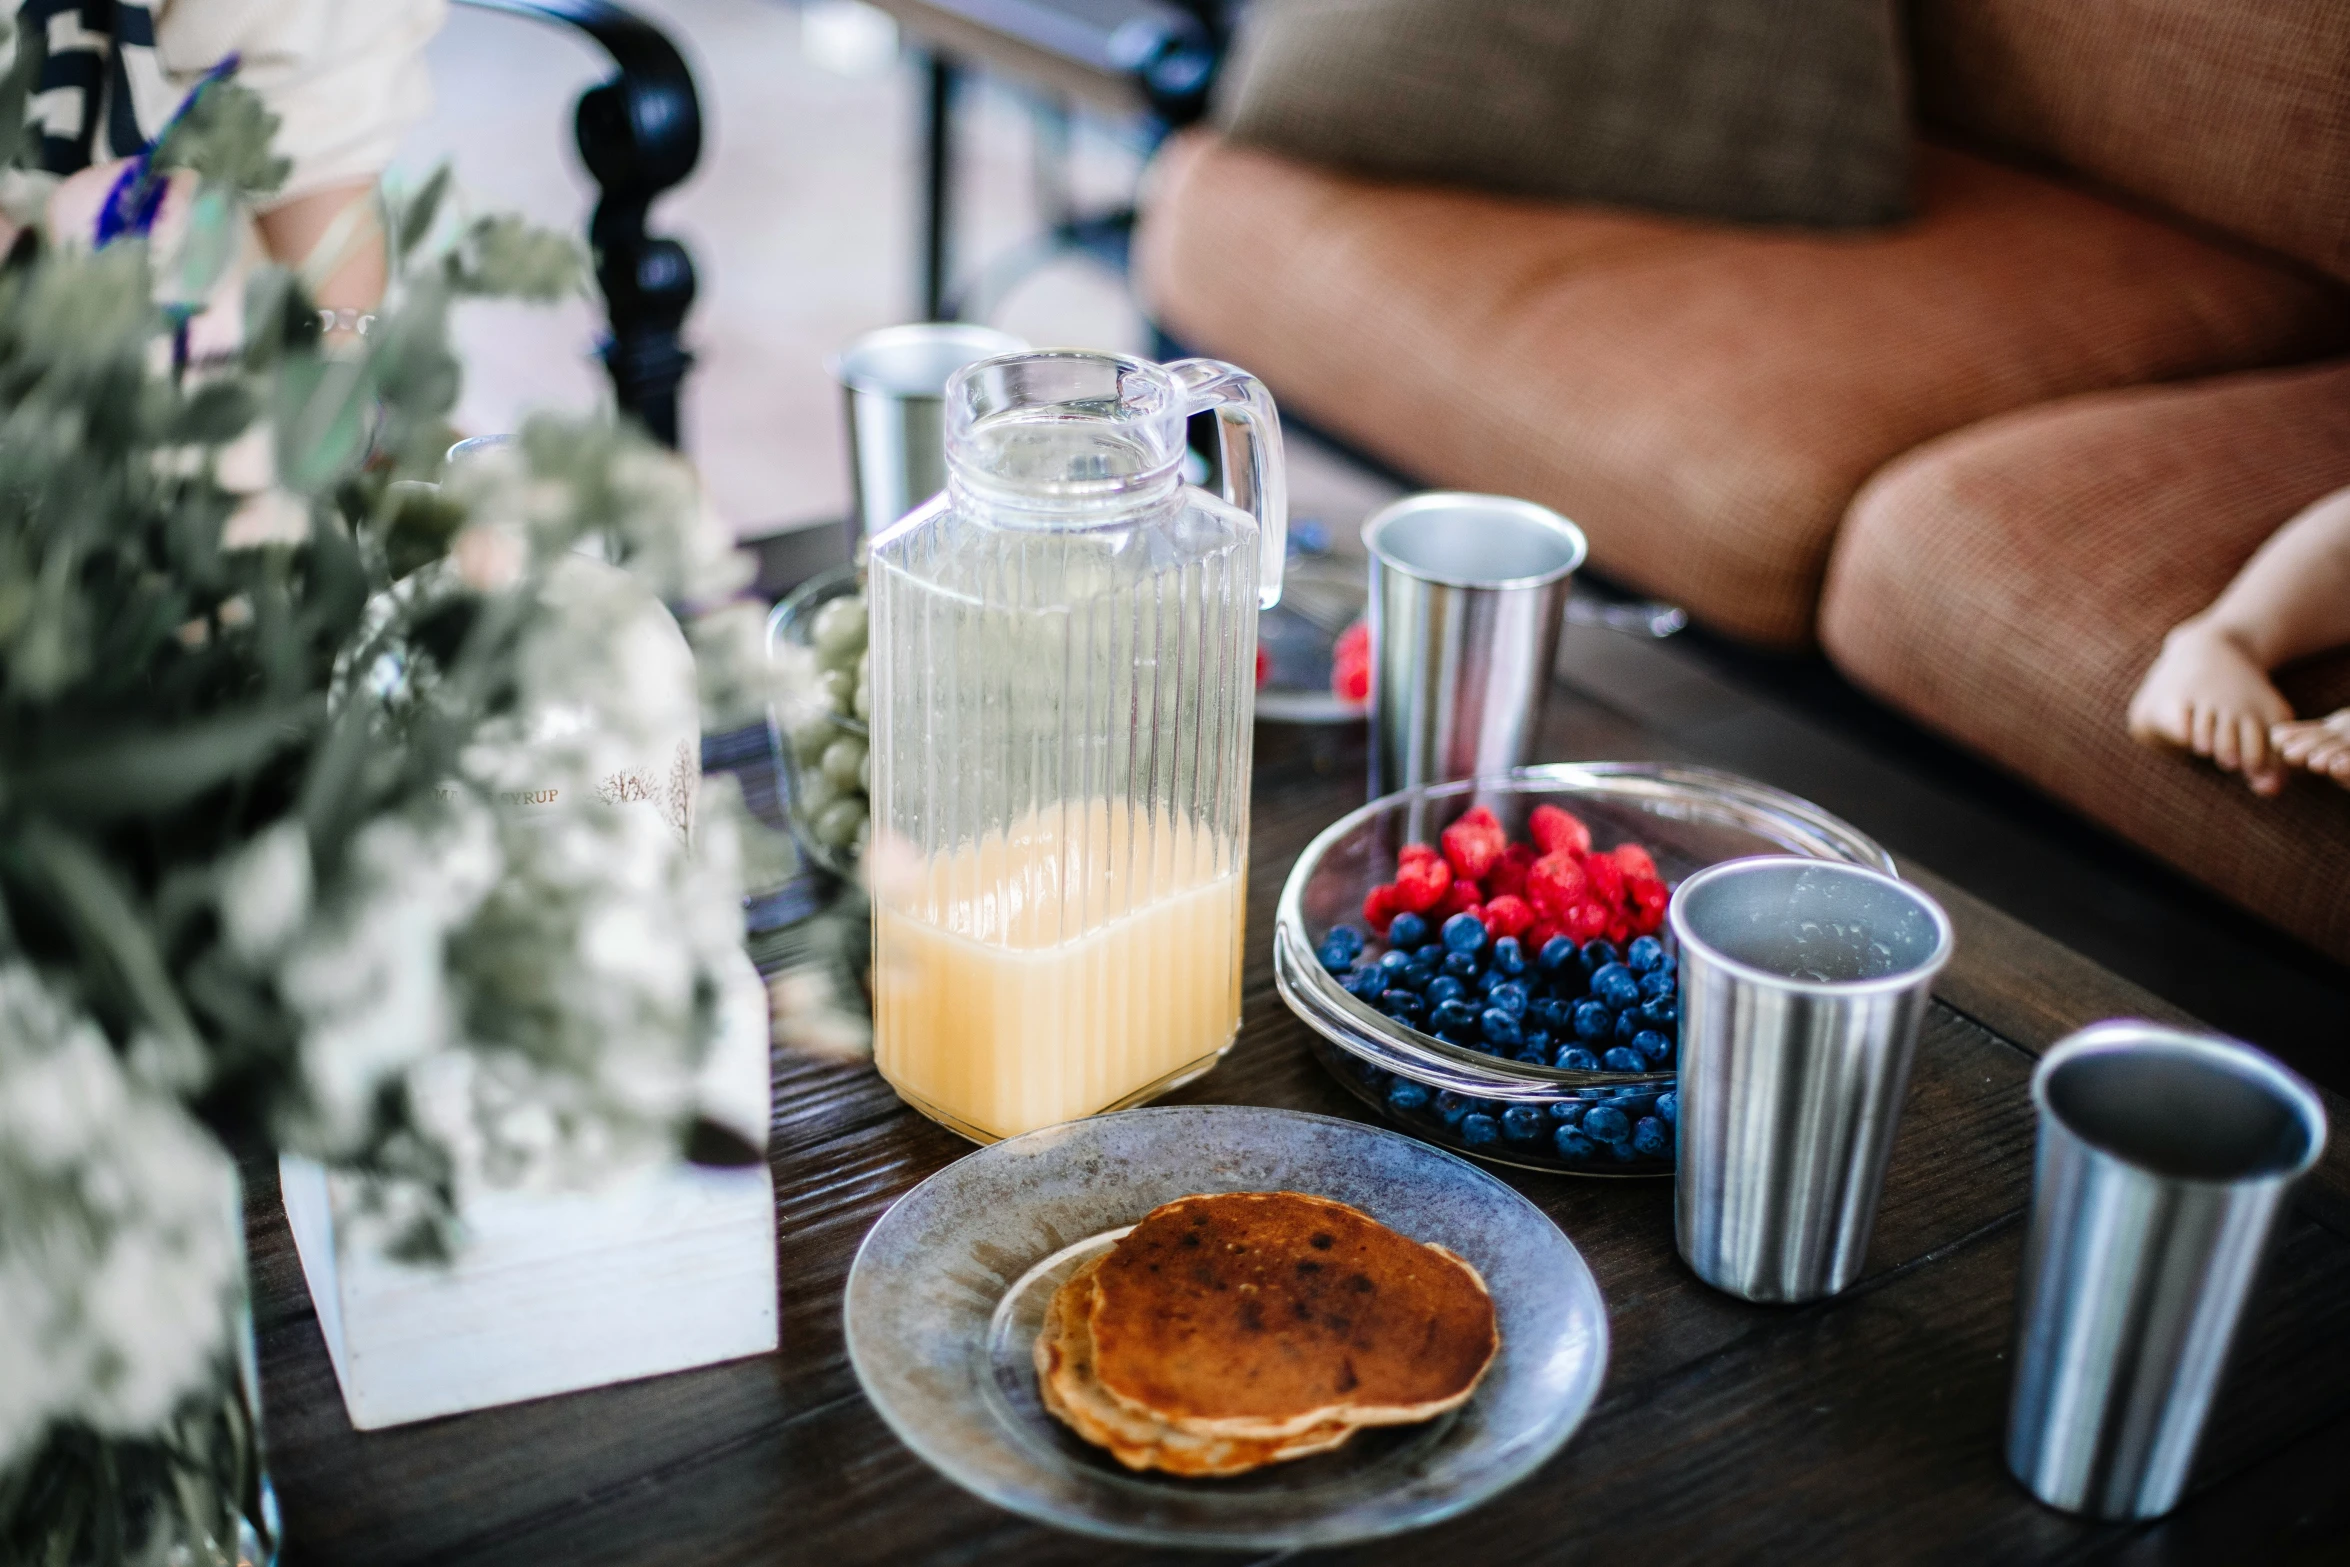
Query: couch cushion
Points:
[1750, 109]
[2009, 585]
[2236, 112]
[1703, 399]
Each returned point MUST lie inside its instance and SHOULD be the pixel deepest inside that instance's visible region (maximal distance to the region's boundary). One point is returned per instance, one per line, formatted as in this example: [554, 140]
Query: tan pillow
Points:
[1771, 111]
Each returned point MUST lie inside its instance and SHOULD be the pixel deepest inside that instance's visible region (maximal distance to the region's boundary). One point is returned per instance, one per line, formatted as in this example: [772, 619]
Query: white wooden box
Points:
[553, 1293]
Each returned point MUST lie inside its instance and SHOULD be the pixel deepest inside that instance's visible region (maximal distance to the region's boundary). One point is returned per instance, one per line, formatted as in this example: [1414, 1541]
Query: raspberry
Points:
[1508, 876]
[1619, 929]
[1554, 884]
[1264, 666]
[1634, 860]
[1422, 879]
[1538, 935]
[1507, 916]
[1350, 664]
[1379, 907]
[1460, 898]
[1586, 921]
[1646, 897]
[1473, 843]
[1557, 830]
[1607, 879]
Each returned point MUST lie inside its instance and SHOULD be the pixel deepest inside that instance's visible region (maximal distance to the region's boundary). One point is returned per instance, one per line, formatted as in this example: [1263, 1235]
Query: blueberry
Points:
[1493, 979]
[1464, 933]
[1369, 985]
[1403, 1006]
[1566, 1112]
[1529, 1057]
[1407, 930]
[1545, 1012]
[1508, 956]
[1606, 1124]
[1623, 1152]
[1593, 1021]
[1345, 938]
[1422, 967]
[1479, 1130]
[1650, 1137]
[1628, 1024]
[1596, 955]
[1461, 965]
[1656, 984]
[1572, 1145]
[1334, 957]
[1452, 1014]
[1653, 1046]
[1635, 1102]
[1501, 1030]
[1668, 1107]
[1623, 1058]
[1577, 1059]
[1452, 1107]
[1394, 961]
[1509, 996]
[1444, 988]
[1555, 955]
[1616, 985]
[1644, 953]
[1406, 1096]
[1538, 1041]
[1522, 1123]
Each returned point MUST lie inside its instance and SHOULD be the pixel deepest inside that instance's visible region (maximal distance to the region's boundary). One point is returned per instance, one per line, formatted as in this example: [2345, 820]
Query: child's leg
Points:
[2209, 690]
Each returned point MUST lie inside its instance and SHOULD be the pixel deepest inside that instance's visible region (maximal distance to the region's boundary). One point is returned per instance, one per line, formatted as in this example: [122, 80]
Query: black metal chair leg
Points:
[940, 78]
[640, 134]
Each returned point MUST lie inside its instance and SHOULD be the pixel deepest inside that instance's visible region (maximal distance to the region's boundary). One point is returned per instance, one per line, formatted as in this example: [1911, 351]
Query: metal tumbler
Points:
[1803, 985]
[895, 382]
[1467, 592]
[2164, 1162]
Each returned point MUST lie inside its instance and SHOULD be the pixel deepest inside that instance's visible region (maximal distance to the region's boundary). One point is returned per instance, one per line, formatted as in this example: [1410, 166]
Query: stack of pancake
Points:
[1228, 1332]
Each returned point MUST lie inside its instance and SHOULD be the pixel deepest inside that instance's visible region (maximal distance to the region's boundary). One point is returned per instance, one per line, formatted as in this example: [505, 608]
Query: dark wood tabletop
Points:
[1863, 1429]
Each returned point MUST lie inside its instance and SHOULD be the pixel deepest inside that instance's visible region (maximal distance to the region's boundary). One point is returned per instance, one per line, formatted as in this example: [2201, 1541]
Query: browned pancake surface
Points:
[1271, 1310]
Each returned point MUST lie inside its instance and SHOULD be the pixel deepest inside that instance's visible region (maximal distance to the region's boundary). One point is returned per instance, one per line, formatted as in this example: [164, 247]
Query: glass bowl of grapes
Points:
[1486, 963]
[825, 770]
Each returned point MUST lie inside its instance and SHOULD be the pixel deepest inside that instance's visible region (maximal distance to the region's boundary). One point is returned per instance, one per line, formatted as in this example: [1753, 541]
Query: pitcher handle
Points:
[1248, 448]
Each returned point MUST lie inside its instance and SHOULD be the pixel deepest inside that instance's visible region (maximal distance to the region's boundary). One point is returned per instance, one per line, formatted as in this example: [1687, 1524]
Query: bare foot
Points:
[2206, 695]
[2321, 744]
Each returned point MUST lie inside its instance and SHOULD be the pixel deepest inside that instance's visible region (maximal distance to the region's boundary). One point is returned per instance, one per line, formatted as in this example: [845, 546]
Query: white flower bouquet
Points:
[307, 755]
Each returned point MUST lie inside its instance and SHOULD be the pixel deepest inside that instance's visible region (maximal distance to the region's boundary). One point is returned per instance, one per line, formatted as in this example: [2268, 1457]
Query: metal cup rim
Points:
[987, 341]
[1945, 938]
[1579, 547]
[2232, 1055]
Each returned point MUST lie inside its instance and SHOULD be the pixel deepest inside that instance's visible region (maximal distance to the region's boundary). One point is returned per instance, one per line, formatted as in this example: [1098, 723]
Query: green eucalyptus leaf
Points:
[415, 220]
[148, 775]
[108, 922]
[324, 406]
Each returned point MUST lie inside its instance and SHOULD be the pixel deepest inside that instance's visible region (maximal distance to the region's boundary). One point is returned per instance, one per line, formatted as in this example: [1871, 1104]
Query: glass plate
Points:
[948, 1293]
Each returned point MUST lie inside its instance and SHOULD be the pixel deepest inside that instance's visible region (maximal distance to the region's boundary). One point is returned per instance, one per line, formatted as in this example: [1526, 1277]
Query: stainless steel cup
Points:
[1803, 983]
[2164, 1162]
[1467, 592]
[895, 382]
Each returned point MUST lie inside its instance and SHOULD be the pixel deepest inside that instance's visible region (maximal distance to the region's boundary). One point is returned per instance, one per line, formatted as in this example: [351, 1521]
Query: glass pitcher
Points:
[1063, 686]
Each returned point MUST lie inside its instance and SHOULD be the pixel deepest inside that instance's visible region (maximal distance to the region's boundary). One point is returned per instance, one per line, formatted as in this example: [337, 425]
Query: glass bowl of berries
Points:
[1485, 962]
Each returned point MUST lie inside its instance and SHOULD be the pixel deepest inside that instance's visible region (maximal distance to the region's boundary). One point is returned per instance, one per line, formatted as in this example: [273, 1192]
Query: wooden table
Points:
[1865, 1429]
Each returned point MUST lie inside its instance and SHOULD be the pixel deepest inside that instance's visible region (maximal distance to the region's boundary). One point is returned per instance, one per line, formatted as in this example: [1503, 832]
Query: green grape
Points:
[809, 738]
[840, 823]
[811, 792]
[844, 761]
[840, 689]
[839, 629]
[865, 772]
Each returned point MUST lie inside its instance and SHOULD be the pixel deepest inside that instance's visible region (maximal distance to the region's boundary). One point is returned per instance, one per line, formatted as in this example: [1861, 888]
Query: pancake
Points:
[1264, 1316]
[1064, 1369]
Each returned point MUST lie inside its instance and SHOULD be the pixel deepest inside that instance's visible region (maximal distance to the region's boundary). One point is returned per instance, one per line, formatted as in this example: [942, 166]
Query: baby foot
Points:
[2205, 695]
[2320, 744]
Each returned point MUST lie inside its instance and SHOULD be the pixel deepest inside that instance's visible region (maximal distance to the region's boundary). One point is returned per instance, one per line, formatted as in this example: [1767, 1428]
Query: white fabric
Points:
[345, 77]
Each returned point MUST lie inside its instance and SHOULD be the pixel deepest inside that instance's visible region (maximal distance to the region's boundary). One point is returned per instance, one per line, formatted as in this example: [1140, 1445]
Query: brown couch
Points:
[1985, 458]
